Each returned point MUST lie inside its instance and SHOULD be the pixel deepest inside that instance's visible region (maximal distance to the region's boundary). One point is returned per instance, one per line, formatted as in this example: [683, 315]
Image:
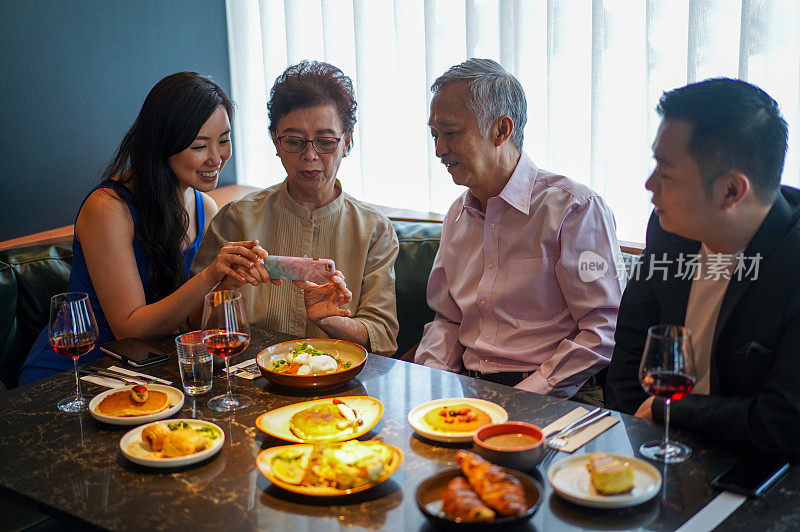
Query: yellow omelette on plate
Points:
[323, 420]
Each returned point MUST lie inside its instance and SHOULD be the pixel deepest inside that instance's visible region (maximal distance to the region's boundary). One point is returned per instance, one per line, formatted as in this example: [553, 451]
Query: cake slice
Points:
[610, 475]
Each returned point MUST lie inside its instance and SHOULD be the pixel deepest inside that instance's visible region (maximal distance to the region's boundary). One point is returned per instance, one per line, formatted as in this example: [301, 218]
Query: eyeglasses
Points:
[292, 144]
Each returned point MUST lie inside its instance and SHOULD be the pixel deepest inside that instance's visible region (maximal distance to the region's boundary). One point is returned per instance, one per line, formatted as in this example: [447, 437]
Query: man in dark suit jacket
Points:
[716, 189]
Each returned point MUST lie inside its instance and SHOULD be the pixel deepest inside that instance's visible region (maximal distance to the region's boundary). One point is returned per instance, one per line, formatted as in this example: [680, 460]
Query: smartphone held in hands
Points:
[317, 271]
[134, 352]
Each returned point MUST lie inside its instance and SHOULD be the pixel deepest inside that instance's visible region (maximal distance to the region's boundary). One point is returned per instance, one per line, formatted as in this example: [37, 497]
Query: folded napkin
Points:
[239, 370]
[102, 381]
[112, 383]
[580, 438]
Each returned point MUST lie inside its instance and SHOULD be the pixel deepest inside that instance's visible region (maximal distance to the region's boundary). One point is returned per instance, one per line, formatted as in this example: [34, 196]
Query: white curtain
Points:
[592, 70]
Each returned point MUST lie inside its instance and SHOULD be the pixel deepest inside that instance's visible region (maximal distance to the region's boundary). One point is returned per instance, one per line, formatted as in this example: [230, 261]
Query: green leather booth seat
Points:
[419, 242]
[28, 278]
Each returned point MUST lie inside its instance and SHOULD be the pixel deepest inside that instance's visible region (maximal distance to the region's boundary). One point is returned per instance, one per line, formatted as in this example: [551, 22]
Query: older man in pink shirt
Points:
[525, 285]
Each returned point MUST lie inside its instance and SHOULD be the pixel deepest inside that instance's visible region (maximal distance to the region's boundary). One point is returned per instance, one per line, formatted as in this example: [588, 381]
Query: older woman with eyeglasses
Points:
[312, 112]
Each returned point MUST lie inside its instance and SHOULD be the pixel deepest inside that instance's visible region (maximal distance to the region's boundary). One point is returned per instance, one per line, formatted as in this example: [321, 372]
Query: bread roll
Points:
[499, 490]
[461, 503]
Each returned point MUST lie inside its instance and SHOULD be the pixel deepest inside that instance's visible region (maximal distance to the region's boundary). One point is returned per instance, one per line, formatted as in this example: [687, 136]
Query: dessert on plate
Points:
[610, 476]
[138, 401]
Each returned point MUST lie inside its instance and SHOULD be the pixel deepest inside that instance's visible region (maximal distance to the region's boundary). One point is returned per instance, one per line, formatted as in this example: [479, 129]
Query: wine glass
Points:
[666, 372]
[226, 333]
[72, 332]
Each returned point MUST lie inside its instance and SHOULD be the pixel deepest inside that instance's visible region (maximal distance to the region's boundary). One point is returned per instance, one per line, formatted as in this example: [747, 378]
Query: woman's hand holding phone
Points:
[236, 264]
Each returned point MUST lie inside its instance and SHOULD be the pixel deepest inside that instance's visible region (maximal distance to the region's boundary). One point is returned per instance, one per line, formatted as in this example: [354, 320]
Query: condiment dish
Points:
[513, 444]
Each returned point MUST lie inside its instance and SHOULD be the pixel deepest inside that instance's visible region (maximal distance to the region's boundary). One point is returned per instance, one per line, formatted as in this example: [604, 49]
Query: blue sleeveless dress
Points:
[42, 361]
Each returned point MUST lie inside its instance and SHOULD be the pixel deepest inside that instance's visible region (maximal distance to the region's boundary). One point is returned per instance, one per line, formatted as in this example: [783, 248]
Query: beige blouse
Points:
[358, 238]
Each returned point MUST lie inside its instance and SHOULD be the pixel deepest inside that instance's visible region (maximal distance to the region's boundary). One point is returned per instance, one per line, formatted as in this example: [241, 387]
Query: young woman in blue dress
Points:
[137, 232]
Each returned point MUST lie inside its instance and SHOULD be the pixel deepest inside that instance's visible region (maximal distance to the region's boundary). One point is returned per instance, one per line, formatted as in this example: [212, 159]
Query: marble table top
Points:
[70, 465]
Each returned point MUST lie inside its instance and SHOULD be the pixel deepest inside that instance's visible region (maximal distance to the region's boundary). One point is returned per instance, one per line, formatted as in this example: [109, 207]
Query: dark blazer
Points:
[755, 359]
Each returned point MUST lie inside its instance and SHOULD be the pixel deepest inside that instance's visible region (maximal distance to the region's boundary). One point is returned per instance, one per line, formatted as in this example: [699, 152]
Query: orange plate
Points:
[276, 422]
[263, 461]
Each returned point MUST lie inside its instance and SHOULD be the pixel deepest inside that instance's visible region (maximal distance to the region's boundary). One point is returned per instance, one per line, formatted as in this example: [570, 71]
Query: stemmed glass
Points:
[72, 332]
[226, 333]
[666, 371]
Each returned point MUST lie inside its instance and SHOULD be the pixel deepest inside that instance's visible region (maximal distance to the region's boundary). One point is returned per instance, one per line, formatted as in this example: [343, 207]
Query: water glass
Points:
[195, 362]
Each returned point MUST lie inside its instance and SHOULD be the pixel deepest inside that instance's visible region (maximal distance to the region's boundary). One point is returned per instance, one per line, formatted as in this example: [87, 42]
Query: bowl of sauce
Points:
[513, 444]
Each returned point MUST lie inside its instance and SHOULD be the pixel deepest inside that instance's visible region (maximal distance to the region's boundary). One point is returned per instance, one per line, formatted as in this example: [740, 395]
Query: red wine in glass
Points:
[672, 386]
[666, 372]
[226, 332]
[72, 332]
[226, 344]
[72, 345]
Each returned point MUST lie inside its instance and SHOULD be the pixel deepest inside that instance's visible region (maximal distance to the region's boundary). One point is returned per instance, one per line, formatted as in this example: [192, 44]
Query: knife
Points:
[105, 376]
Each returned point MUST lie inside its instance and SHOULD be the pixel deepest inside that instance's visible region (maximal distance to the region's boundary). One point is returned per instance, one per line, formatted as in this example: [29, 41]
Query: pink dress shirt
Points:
[506, 289]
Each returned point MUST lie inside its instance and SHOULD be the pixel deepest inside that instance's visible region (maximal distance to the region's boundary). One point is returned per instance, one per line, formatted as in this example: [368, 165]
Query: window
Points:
[592, 71]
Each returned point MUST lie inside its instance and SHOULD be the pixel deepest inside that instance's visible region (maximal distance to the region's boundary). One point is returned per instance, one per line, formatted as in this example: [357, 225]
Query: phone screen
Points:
[134, 351]
[752, 476]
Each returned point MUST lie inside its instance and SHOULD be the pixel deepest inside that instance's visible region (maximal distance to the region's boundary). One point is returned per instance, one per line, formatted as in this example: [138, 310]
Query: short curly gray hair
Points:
[493, 93]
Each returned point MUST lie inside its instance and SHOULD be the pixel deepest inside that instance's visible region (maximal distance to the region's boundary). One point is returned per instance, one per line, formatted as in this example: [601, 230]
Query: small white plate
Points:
[175, 398]
[276, 422]
[570, 479]
[496, 412]
[138, 452]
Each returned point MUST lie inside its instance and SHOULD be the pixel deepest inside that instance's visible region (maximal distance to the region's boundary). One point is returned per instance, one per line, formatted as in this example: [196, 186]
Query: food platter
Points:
[415, 417]
[175, 396]
[137, 451]
[276, 422]
[429, 501]
[341, 349]
[264, 463]
[570, 479]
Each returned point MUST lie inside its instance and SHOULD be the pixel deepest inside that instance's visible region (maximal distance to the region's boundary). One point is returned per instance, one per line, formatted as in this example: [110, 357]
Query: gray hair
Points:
[493, 93]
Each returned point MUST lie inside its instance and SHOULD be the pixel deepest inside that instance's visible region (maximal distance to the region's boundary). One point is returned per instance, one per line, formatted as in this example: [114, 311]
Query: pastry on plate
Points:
[460, 503]
[610, 476]
[499, 490]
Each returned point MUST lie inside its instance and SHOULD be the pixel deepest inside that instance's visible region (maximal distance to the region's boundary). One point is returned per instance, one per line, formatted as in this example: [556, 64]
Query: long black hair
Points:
[170, 119]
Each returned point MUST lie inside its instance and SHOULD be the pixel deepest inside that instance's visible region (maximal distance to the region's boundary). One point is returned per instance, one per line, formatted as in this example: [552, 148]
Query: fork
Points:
[559, 440]
[250, 368]
[556, 440]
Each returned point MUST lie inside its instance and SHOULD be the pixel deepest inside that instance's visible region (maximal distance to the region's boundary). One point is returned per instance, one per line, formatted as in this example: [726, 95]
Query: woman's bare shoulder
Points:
[104, 209]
